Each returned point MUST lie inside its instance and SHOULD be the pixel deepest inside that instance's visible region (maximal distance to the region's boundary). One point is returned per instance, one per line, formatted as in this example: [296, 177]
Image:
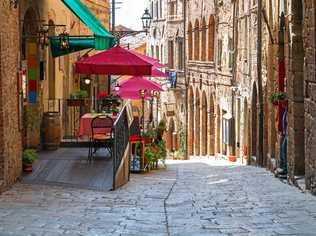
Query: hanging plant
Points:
[277, 97]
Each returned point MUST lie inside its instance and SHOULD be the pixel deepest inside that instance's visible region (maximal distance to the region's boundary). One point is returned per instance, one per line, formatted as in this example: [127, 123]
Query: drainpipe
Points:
[186, 80]
[260, 92]
[234, 80]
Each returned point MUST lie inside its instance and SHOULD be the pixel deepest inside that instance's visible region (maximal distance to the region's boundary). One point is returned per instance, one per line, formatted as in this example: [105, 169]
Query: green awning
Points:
[75, 44]
[103, 39]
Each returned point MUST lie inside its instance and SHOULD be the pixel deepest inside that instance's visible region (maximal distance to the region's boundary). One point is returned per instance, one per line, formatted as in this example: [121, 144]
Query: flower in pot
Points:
[28, 158]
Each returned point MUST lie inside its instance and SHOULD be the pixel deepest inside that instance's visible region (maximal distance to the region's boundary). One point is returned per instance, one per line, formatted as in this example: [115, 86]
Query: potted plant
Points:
[28, 158]
[278, 97]
[77, 98]
[150, 155]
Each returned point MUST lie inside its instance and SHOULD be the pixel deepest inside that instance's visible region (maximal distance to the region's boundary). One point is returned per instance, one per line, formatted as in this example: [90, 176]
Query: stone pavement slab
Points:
[198, 197]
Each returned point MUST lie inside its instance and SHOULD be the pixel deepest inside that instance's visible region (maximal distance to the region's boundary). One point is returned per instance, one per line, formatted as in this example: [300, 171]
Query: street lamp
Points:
[146, 20]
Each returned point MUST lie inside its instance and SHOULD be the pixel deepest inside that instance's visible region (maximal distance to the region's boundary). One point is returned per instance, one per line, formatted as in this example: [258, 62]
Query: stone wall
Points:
[310, 96]
[10, 136]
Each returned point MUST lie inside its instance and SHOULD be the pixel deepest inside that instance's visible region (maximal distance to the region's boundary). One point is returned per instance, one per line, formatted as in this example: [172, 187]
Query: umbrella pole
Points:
[143, 110]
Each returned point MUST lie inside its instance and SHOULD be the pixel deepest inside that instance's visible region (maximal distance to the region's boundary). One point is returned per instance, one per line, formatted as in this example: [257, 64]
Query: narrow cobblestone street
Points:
[201, 197]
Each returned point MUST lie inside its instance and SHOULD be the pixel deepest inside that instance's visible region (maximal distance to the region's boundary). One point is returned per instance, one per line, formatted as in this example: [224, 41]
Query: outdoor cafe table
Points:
[85, 123]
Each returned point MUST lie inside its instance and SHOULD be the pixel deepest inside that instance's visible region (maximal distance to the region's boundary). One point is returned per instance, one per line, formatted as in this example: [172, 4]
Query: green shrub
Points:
[79, 94]
[29, 156]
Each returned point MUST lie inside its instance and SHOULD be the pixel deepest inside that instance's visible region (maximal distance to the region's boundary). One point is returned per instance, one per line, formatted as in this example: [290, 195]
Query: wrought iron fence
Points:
[121, 139]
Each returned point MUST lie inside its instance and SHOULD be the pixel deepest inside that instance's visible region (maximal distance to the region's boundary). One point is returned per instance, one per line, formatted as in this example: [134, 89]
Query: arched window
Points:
[211, 35]
[190, 41]
[197, 40]
[203, 48]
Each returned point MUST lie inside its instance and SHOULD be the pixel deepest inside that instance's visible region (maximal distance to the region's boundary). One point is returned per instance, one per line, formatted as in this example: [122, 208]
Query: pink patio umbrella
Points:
[130, 88]
[151, 60]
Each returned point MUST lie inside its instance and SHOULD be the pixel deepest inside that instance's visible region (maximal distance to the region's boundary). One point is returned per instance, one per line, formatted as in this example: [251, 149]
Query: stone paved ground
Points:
[189, 198]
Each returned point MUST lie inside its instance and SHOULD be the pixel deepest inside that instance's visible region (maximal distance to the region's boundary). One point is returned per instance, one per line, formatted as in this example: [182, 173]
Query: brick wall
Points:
[310, 96]
[10, 137]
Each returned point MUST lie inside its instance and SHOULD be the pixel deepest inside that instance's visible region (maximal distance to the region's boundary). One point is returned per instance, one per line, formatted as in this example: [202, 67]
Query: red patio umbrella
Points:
[115, 61]
[149, 59]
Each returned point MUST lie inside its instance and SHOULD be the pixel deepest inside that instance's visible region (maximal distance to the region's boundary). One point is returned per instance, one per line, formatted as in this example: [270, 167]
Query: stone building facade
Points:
[209, 73]
[28, 73]
[10, 130]
[166, 43]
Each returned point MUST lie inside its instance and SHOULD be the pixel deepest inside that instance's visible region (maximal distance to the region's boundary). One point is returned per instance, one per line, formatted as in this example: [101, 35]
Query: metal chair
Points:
[101, 135]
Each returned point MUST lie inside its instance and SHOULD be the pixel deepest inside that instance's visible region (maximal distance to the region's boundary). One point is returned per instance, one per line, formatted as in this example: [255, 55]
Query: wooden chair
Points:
[101, 135]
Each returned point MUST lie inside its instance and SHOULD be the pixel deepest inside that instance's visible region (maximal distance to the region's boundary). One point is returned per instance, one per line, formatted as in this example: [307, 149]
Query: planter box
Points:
[232, 158]
[76, 102]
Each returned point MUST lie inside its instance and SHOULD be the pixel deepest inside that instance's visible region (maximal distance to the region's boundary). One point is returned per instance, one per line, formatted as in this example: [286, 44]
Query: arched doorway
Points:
[191, 123]
[204, 125]
[254, 122]
[211, 140]
[30, 84]
[197, 123]
[171, 143]
[218, 129]
[245, 143]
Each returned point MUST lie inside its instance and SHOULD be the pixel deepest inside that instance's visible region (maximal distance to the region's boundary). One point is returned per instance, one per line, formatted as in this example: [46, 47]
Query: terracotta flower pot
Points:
[232, 158]
[28, 168]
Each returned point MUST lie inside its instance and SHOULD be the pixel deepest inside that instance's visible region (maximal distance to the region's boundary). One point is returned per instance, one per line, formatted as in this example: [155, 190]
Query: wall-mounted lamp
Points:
[64, 40]
[117, 88]
[87, 81]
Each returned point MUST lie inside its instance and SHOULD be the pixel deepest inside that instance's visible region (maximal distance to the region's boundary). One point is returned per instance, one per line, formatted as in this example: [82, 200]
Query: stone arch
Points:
[191, 122]
[197, 40]
[204, 125]
[204, 46]
[197, 123]
[254, 121]
[211, 38]
[190, 41]
[212, 116]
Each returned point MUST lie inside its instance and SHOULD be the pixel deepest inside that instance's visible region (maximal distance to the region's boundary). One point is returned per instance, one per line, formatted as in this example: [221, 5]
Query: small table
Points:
[85, 123]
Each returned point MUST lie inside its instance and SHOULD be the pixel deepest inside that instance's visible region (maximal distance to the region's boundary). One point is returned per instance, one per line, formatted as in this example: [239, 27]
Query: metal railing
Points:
[121, 139]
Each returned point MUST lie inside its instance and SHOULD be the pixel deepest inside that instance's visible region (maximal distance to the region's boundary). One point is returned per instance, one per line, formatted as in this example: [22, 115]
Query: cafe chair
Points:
[101, 135]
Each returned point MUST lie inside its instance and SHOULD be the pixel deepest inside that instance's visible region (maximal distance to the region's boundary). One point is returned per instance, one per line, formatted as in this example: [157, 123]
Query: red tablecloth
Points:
[85, 124]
